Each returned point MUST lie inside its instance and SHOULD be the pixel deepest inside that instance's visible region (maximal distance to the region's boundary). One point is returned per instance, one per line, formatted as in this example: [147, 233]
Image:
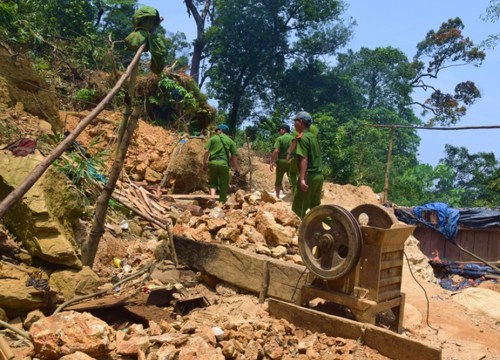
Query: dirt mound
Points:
[20, 84]
[348, 196]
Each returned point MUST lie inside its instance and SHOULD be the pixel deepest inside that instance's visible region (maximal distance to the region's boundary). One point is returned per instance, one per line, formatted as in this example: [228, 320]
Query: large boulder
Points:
[20, 291]
[46, 216]
[68, 332]
[72, 283]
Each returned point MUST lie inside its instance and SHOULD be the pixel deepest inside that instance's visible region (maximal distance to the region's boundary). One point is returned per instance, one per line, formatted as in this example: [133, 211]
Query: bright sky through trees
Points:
[402, 24]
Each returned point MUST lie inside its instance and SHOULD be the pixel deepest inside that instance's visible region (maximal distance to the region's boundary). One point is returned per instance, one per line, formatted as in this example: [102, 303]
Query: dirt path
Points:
[461, 333]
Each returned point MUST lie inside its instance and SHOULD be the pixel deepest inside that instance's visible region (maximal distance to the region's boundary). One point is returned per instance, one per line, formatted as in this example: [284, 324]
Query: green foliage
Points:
[84, 169]
[248, 65]
[8, 18]
[264, 132]
[88, 95]
[176, 91]
[177, 101]
[442, 49]
[460, 180]
[382, 76]
[475, 174]
[492, 14]
[424, 184]
[354, 152]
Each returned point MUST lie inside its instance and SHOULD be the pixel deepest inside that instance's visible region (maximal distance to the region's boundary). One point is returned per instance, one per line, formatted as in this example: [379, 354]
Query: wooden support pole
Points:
[388, 167]
[89, 248]
[127, 128]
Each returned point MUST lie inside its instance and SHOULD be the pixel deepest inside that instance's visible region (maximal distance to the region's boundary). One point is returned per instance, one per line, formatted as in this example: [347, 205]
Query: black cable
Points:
[425, 293]
[297, 284]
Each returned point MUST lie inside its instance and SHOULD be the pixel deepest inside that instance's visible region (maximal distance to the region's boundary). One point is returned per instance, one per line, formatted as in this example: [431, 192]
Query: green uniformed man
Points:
[293, 172]
[307, 152]
[220, 152]
[281, 146]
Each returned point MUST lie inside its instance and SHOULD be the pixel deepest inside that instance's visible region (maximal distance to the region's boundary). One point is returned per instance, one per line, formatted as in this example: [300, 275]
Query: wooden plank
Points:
[451, 251]
[494, 246]
[384, 341]
[103, 302]
[6, 352]
[430, 240]
[241, 268]
[186, 196]
[481, 243]
[467, 242]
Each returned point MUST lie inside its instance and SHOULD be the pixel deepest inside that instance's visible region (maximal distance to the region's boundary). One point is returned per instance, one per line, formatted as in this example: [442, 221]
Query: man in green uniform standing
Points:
[281, 146]
[307, 152]
[293, 172]
[220, 152]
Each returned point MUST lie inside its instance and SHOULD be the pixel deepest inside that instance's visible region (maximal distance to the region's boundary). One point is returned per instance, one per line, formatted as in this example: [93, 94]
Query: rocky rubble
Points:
[238, 330]
[254, 221]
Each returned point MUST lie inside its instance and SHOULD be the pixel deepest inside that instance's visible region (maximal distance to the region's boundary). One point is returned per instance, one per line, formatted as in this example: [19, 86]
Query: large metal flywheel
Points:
[330, 241]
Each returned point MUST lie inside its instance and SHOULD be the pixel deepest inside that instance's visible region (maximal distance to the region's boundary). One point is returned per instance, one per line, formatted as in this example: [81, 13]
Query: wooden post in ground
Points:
[127, 128]
[388, 167]
[249, 165]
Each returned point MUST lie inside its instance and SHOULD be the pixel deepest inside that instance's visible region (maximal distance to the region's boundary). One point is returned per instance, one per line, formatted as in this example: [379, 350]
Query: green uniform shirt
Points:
[282, 143]
[308, 147]
[220, 147]
[313, 128]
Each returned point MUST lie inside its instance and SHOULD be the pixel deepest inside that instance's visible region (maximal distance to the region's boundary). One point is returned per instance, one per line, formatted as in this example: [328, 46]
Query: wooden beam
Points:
[243, 269]
[384, 341]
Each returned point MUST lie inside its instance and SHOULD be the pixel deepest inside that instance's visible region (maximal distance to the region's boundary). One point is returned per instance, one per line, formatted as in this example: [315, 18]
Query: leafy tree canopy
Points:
[439, 50]
[252, 42]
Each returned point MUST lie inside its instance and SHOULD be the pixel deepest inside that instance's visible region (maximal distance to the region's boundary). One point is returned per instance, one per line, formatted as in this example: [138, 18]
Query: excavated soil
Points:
[20, 84]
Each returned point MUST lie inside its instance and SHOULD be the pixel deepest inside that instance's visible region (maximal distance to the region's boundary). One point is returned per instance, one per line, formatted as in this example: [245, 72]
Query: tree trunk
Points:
[199, 43]
[198, 47]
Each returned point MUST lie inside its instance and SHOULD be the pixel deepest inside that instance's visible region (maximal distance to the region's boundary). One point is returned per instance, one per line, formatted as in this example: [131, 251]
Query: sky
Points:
[403, 24]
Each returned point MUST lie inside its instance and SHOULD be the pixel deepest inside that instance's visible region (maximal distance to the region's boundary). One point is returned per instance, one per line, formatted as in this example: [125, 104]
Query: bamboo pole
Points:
[32, 178]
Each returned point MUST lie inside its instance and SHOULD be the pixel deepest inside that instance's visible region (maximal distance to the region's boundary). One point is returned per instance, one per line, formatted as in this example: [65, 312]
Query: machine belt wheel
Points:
[330, 241]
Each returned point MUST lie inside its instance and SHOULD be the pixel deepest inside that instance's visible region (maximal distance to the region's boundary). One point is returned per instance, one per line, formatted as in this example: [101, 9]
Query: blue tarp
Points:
[472, 274]
[447, 218]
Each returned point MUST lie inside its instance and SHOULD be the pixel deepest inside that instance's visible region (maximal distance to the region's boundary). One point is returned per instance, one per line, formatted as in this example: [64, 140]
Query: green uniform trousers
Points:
[282, 167]
[218, 176]
[303, 201]
[293, 174]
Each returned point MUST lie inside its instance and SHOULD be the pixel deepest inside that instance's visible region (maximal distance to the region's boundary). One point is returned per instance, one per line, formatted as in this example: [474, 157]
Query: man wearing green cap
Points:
[281, 146]
[293, 171]
[220, 151]
[307, 152]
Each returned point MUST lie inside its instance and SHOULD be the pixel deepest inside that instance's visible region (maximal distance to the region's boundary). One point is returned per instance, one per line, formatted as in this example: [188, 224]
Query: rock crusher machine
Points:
[355, 260]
